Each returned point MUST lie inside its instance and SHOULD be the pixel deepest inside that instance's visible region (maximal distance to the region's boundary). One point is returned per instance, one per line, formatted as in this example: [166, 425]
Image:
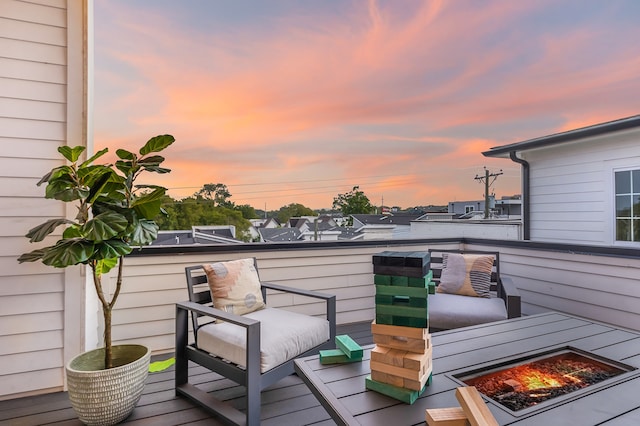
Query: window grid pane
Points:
[627, 187]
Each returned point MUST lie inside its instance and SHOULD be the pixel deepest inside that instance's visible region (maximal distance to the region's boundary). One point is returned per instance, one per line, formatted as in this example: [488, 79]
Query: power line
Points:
[299, 181]
[488, 179]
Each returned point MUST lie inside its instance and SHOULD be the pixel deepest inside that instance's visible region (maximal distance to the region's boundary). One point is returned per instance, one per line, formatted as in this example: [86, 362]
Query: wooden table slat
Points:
[342, 391]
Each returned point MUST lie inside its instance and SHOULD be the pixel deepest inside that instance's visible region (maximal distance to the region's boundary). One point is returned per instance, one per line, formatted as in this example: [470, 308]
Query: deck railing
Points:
[593, 282]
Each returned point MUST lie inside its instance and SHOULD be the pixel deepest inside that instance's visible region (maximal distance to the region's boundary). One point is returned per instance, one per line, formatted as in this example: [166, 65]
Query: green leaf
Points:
[72, 232]
[68, 252]
[157, 169]
[104, 226]
[32, 256]
[157, 366]
[98, 186]
[94, 157]
[153, 160]
[64, 173]
[45, 178]
[111, 249]
[126, 167]
[88, 175]
[38, 233]
[150, 187]
[144, 233]
[71, 154]
[157, 144]
[65, 191]
[125, 155]
[103, 266]
[149, 205]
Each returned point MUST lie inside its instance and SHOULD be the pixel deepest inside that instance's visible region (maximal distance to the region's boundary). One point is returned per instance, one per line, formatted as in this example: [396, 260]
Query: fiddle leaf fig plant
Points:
[114, 215]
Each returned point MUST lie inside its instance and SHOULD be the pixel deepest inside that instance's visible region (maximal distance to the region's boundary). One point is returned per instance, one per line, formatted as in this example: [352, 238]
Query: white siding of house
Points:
[597, 287]
[34, 121]
[572, 188]
[601, 288]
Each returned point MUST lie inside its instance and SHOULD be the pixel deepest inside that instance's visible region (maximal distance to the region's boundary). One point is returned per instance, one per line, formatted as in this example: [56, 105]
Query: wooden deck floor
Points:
[288, 402]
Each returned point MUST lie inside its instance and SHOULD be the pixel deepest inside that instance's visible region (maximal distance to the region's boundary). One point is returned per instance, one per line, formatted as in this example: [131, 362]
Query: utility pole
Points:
[488, 179]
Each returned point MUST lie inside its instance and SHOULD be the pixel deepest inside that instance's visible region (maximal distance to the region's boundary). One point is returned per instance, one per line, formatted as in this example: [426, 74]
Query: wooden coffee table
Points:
[341, 388]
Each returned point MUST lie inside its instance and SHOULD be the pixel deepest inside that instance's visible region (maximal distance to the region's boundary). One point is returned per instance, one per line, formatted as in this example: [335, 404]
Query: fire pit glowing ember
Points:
[527, 384]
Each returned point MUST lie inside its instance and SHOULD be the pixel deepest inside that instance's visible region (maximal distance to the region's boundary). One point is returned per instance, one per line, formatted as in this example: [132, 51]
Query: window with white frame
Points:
[468, 209]
[627, 185]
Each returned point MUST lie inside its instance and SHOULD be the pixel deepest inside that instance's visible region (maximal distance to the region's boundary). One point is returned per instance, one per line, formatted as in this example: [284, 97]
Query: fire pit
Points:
[527, 382]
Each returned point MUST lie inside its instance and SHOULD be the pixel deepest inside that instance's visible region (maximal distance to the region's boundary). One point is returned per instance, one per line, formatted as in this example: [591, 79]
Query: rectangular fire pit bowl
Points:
[524, 384]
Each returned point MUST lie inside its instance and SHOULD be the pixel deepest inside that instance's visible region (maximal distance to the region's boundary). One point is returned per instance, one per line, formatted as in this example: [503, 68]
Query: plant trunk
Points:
[108, 357]
[106, 313]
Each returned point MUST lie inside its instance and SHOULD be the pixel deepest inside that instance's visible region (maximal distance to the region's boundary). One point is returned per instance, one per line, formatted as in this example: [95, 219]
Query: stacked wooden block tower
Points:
[401, 360]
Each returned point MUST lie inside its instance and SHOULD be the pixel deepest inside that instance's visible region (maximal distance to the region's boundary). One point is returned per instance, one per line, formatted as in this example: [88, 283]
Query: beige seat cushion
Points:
[448, 311]
[283, 336]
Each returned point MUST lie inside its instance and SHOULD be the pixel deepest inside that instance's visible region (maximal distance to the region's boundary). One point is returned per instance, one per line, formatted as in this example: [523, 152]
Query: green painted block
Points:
[402, 291]
[335, 356]
[382, 299]
[400, 281]
[418, 302]
[418, 282]
[350, 348]
[384, 319]
[421, 282]
[402, 311]
[407, 396]
[379, 279]
[432, 288]
[410, 322]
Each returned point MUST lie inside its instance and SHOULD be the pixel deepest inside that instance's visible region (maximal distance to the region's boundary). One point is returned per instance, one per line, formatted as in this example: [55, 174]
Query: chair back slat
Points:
[436, 264]
[198, 289]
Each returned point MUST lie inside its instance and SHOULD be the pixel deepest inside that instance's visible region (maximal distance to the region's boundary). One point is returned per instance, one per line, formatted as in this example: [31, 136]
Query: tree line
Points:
[212, 205]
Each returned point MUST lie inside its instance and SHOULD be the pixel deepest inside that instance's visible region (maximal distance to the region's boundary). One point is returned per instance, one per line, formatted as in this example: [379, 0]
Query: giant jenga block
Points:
[400, 368]
[405, 395]
[336, 356]
[350, 348]
[453, 416]
[474, 407]
[405, 264]
[411, 339]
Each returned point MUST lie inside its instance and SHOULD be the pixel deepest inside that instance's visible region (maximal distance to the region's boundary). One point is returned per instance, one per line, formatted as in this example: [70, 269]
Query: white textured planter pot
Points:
[106, 397]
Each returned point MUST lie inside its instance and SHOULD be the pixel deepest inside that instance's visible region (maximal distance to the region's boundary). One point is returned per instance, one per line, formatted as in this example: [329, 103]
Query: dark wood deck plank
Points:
[288, 402]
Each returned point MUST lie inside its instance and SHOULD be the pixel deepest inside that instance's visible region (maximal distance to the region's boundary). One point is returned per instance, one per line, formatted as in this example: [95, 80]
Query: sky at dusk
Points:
[290, 101]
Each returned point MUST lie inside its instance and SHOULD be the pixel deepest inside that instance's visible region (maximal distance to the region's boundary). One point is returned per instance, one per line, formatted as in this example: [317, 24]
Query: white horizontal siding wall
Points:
[572, 188]
[601, 288]
[153, 284]
[34, 122]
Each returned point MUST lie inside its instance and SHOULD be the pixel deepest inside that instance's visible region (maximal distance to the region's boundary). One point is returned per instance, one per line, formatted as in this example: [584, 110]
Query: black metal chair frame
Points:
[200, 305]
[502, 286]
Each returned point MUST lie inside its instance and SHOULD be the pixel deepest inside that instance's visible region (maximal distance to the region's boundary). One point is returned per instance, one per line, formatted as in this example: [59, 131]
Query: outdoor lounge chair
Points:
[255, 349]
[448, 310]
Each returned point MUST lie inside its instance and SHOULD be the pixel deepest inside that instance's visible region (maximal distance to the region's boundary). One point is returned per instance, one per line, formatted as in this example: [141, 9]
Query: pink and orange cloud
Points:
[300, 102]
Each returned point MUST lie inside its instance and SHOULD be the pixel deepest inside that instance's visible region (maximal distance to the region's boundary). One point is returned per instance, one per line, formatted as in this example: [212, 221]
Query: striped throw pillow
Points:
[466, 274]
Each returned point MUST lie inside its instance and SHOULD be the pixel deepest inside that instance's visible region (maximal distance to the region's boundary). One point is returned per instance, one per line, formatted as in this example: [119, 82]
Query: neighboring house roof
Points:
[171, 238]
[271, 222]
[297, 222]
[350, 234]
[385, 219]
[221, 232]
[195, 236]
[565, 137]
[280, 234]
